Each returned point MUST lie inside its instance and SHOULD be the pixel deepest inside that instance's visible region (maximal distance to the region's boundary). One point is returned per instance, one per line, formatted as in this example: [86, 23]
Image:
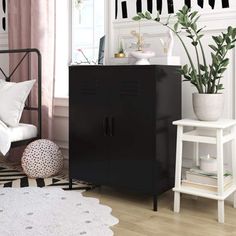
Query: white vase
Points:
[208, 107]
[142, 58]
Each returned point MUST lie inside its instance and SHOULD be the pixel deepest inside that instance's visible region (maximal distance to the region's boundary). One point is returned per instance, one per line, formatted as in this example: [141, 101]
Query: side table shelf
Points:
[218, 133]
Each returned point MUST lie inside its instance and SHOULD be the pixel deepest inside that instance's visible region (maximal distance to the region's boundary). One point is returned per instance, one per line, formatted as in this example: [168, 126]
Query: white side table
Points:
[218, 133]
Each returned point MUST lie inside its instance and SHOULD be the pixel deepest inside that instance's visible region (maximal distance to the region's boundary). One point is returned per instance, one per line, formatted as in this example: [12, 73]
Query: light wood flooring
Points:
[198, 217]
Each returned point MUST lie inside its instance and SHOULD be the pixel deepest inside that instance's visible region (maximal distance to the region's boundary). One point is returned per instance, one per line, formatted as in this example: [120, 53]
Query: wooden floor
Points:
[198, 217]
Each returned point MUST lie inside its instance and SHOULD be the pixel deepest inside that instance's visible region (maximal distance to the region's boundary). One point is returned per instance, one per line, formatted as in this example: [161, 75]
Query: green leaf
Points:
[214, 48]
[234, 33]
[214, 58]
[199, 36]
[222, 70]
[185, 9]
[198, 31]
[202, 67]
[194, 26]
[196, 19]
[136, 18]
[195, 43]
[141, 15]
[230, 30]
[193, 14]
[185, 69]
[148, 15]
[225, 62]
[176, 26]
[228, 40]
[220, 87]
[218, 39]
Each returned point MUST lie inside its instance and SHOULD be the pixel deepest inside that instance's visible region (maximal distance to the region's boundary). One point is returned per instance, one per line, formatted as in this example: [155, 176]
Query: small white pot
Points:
[208, 107]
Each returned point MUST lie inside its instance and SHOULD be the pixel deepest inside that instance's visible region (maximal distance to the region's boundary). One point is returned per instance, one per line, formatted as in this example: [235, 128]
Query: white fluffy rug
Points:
[52, 212]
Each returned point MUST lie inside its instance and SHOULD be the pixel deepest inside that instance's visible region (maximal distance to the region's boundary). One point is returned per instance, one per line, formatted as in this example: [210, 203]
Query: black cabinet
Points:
[121, 131]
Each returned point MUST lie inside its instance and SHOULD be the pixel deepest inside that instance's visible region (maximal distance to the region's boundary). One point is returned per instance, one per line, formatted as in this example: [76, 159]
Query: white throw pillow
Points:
[12, 100]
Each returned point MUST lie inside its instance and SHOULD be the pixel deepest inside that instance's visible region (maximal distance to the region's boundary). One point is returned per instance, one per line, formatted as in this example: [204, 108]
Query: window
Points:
[87, 29]
[62, 50]
[79, 27]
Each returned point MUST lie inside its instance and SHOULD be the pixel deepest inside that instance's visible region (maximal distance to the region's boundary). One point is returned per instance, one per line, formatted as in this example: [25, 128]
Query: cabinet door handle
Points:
[111, 126]
[106, 126]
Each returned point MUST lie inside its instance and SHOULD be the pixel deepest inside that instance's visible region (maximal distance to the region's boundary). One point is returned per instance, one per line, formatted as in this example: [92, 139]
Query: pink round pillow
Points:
[42, 159]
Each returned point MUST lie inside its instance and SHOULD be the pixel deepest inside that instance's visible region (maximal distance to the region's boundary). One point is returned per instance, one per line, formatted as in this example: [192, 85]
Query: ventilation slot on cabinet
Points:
[87, 87]
[130, 88]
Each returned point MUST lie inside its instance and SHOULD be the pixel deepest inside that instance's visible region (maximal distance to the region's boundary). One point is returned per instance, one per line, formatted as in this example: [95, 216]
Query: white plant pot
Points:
[208, 107]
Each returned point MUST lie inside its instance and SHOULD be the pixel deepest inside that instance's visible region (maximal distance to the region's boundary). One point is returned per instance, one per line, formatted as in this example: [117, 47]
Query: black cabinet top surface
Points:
[134, 66]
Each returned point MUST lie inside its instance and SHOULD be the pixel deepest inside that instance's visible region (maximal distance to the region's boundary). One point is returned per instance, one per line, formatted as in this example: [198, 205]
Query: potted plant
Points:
[208, 102]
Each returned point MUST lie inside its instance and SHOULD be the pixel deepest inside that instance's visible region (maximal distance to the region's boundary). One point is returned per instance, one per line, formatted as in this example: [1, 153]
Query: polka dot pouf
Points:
[42, 159]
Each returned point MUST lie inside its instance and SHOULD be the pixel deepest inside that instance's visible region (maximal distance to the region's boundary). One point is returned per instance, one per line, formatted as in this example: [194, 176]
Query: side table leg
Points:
[177, 202]
[221, 212]
[220, 174]
[233, 148]
[178, 168]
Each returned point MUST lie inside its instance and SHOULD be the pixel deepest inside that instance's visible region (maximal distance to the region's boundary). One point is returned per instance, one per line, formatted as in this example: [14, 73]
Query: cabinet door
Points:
[132, 102]
[88, 120]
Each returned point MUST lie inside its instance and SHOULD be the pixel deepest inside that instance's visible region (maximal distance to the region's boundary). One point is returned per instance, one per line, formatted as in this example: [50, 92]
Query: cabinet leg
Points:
[177, 202]
[221, 213]
[70, 184]
[155, 202]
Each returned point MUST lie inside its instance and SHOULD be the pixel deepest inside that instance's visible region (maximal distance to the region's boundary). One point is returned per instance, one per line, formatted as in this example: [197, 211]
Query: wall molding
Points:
[3, 40]
[61, 101]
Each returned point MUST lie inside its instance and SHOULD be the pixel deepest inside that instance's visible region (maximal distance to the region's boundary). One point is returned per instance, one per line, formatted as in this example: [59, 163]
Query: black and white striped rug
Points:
[12, 178]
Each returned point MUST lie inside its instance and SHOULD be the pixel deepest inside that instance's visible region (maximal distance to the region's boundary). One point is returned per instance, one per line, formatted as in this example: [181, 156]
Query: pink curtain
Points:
[31, 24]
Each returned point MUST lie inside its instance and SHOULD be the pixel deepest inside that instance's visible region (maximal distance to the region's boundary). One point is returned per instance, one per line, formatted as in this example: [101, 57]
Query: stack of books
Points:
[198, 179]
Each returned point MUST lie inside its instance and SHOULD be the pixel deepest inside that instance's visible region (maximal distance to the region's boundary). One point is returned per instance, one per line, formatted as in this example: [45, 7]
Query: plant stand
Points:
[218, 133]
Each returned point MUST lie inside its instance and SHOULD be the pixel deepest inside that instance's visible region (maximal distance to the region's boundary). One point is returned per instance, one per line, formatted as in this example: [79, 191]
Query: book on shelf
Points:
[207, 187]
[197, 170]
[202, 178]
[196, 178]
